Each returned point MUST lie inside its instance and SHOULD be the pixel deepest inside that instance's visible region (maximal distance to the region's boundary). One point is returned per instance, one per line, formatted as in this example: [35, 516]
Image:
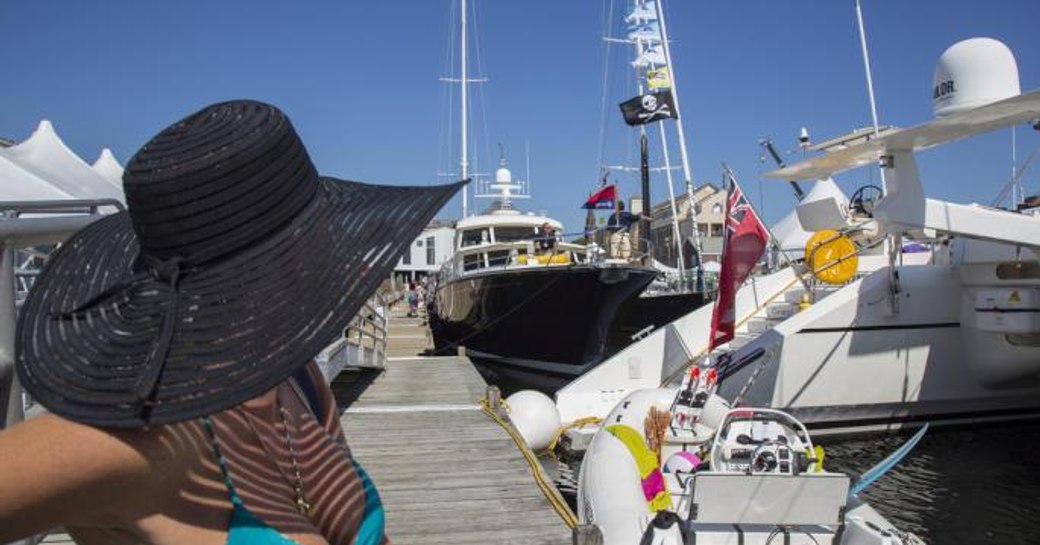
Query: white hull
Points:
[611, 497]
[849, 362]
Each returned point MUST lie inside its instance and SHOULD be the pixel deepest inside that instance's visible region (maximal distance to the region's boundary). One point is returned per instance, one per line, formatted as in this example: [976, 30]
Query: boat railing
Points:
[363, 344]
[519, 254]
[647, 253]
[28, 229]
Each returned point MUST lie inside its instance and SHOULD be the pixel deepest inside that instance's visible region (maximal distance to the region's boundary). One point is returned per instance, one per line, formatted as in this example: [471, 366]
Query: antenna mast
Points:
[464, 81]
[870, 82]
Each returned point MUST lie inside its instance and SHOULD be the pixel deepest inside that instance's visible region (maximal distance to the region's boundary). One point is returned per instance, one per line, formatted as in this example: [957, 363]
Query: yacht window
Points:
[472, 261]
[1018, 270]
[470, 238]
[498, 259]
[513, 234]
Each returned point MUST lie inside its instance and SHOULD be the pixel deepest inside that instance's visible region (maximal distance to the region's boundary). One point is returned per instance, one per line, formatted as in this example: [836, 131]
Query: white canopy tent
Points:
[44, 168]
[18, 184]
[110, 169]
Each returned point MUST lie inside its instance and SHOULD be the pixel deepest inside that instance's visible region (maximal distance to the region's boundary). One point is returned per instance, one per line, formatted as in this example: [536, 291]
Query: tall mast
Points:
[642, 48]
[870, 81]
[464, 81]
[687, 173]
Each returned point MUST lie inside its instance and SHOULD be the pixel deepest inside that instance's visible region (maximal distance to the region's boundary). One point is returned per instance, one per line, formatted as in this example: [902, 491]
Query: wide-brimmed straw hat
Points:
[236, 264]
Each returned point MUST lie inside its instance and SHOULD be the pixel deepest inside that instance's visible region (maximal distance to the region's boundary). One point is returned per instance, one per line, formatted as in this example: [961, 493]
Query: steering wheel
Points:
[763, 462]
[769, 455]
[864, 198]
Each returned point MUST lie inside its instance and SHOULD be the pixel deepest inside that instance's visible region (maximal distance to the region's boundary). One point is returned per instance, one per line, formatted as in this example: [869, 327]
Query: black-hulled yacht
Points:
[531, 320]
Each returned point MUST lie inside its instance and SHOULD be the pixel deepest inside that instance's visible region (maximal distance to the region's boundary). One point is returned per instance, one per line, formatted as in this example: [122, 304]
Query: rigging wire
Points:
[446, 134]
[478, 167]
[1015, 180]
[608, 13]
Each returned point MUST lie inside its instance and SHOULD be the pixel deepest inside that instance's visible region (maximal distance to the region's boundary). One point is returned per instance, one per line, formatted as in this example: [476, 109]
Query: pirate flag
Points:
[649, 108]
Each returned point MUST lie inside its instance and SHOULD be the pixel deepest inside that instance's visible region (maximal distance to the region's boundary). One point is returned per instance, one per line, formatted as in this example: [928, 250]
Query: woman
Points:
[172, 346]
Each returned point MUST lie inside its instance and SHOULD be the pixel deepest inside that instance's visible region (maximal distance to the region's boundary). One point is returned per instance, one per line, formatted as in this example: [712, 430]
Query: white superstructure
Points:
[950, 335]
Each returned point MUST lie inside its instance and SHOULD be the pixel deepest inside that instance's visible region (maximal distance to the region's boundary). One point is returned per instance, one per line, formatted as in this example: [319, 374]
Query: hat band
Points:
[168, 272]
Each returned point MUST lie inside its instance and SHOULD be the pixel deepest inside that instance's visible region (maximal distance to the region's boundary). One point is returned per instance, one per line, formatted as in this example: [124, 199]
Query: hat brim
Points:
[243, 324]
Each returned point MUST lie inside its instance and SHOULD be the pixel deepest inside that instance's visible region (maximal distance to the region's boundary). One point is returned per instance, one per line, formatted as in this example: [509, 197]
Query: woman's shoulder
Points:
[51, 439]
[55, 469]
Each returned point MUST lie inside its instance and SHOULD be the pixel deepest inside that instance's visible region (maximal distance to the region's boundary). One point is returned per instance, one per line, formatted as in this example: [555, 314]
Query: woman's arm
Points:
[57, 472]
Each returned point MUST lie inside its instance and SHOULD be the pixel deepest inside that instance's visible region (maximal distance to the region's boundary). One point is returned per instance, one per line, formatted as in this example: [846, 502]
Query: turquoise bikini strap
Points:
[373, 526]
[221, 461]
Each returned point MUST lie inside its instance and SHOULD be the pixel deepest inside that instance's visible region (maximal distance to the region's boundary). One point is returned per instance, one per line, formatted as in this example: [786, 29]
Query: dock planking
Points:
[446, 472]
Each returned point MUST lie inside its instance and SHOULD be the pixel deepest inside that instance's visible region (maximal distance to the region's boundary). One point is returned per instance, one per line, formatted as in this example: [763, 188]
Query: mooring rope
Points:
[548, 489]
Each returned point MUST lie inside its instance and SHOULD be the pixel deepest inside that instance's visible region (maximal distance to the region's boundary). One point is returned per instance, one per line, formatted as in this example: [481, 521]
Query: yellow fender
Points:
[654, 489]
[831, 257]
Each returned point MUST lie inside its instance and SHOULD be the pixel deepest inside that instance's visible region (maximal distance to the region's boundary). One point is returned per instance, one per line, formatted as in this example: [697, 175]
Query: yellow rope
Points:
[579, 423]
[548, 489]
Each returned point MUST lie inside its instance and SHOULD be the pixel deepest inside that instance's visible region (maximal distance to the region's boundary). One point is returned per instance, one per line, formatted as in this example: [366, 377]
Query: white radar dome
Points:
[972, 73]
[503, 176]
[535, 416]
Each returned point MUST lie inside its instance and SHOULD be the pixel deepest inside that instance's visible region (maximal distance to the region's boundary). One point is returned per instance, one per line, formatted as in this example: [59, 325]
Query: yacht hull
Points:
[853, 363]
[536, 327]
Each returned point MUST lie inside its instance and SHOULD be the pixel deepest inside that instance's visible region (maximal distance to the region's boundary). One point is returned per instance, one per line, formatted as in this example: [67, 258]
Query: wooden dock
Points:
[447, 473]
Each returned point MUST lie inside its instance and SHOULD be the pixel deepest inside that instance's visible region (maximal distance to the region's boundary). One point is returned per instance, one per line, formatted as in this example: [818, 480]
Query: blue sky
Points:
[360, 81]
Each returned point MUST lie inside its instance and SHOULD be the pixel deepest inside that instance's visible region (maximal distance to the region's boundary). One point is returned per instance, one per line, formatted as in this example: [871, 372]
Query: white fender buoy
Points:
[535, 416]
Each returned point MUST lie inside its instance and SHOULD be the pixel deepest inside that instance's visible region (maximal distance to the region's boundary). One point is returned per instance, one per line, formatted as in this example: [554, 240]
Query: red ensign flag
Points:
[745, 241]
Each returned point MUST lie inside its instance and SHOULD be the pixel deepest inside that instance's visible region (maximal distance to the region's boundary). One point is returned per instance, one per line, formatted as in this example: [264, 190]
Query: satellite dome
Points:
[503, 176]
[972, 73]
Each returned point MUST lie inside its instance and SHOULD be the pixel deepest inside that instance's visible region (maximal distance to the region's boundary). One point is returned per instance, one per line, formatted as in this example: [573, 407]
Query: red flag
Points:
[745, 241]
[603, 199]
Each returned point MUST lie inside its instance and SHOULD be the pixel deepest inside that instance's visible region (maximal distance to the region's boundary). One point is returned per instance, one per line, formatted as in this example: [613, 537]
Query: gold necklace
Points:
[302, 505]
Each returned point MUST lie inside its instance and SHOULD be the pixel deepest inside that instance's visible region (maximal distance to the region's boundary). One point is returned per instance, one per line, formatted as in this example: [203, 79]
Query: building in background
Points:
[426, 253]
[710, 205]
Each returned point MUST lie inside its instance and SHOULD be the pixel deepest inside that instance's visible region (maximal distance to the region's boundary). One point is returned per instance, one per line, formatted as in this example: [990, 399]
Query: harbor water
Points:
[958, 485]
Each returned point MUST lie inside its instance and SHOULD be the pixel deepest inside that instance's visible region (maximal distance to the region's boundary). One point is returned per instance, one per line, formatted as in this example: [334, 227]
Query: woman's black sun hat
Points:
[236, 264]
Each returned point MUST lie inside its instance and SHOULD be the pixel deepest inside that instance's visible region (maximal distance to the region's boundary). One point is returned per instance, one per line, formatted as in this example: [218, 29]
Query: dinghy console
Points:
[761, 441]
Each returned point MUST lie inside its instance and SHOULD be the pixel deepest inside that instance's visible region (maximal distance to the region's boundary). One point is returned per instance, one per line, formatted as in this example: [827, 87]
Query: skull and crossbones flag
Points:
[648, 108]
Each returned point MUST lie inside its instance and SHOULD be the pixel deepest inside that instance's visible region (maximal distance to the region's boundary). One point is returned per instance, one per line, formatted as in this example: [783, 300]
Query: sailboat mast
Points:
[687, 173]
[464, 81]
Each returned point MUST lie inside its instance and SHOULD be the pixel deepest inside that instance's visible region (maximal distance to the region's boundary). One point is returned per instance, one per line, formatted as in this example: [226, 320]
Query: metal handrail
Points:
[453, 268]
[370, 324]
[18, 233]
[363, 342]
[704, 351]
[64, 206]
